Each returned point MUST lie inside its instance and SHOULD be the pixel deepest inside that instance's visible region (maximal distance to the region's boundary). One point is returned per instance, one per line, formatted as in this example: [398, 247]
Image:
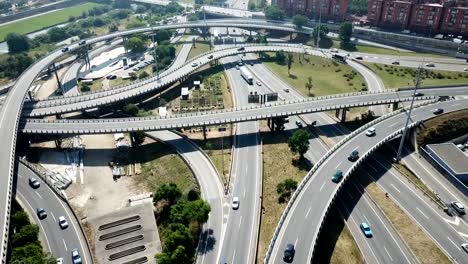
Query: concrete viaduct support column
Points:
[394, 106]
[204, 133]
[124, 40]
[269, 123]
[343, 115]
[57, 78]
[337, 113]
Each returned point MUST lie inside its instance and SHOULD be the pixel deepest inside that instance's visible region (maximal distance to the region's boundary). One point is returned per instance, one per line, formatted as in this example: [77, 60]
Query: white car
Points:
[459, 207]
[286, 90]
[465, 69]
[465, 247]
[194, 64]
[370, 132]
[63, 223]
[60, 261]
[76, 258]
[235, 202]
[259, 83]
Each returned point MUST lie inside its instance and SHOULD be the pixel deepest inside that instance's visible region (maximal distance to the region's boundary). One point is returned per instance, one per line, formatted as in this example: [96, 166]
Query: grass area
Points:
[328, 77]
[443, 127]
[278, 165]
[46, 20]
[119, 81]
[399, 76]
[95, 85]
[199, 48]
[418, 241]
[336, 245]
[160, 164]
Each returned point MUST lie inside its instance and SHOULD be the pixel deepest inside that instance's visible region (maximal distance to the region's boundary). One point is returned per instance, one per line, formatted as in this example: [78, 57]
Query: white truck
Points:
[246, 74]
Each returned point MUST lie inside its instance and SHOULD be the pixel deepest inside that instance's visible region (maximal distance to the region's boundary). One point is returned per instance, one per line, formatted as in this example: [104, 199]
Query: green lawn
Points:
[328, 77]
[398, 76]
[46, 20]
[199, 48]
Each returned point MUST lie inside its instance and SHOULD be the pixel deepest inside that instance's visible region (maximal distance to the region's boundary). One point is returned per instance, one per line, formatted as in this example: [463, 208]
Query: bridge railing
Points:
[317, 166]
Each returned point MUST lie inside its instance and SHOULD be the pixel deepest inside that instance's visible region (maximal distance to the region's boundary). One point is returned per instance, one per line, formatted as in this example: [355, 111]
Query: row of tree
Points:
[180, 218]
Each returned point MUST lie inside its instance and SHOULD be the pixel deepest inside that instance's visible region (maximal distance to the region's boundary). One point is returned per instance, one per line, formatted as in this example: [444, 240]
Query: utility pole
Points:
[416, 86]
[155, 55]
[320, 20]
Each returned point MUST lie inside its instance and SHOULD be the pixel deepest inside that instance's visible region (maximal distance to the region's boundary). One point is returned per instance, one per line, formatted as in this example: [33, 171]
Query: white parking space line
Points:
[321, 187]
[391, 259]
[64, 244]
[422, 213]
[308, 211]
[454, 243]
[394, 187]
[39, 195]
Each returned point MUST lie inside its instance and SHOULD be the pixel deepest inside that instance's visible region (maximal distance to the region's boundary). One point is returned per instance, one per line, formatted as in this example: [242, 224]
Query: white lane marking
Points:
[234, 257]
[422, 213]
[321, 187]
[455, 222]
[240, 221]
[372, 167]
[53, 216]
[244, 192]
[367, 220]
[39, 195]
[338, 165]
[64, 244]
[308, 211]
[349, 194]
[454, 243]
[394, 187]
[394, 124]
[463, 234]
[391, 259]
[19, 175]
[295, 242]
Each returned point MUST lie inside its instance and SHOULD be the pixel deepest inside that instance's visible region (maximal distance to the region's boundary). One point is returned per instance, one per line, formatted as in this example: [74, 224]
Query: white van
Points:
[370, 132]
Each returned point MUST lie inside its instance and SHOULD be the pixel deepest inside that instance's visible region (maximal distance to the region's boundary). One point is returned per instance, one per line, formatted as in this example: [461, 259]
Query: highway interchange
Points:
[297, 231]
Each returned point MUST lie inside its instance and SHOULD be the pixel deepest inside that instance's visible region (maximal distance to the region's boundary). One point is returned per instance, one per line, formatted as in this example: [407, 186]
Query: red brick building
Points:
[331, 9]
[455, 21]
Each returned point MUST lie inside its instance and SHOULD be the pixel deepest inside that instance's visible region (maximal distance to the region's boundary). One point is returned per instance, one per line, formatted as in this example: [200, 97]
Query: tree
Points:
[124, 4]
[27, 234]
[319, 31]
[197, 211]
[274, 12]
[169, 192]
[299, 142]
[280, 57]
[113, 28]
[136, 44]
[346, 31]
[289, 60]
[12, 66]
[300, 20]
[285, 189]
[19, 220]
[309, 84]
[143, 75]
[177, 235]
[138, 137]
[279, 123]
[252, 6]
[17, 43]
[131, 109]
[85, 88]
[57, 34]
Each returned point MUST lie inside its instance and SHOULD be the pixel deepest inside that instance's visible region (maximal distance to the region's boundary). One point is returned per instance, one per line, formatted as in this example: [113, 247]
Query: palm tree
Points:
[309, 84]
[290, 60]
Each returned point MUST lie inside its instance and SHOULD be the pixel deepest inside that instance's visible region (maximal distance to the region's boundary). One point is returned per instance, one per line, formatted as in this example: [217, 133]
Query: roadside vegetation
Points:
[24, 240]
[180, 217]
[399, 76]
[322, 75]
[442, 128]
[198, 47]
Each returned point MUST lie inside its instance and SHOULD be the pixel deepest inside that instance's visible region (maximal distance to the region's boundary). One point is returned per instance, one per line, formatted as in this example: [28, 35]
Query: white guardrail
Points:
[321, 161]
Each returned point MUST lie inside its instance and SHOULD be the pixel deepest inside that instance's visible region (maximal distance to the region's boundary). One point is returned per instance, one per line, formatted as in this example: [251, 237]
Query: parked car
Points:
[41, 213]
[465, 247]
[395, 62]
[299, 124]
[458, 207]
[438, 111]
[289, 253]
[370, 132]
[81, 43]
[111, 77]
[34, 183]
[353, 156]
[241, 49]
[337, 176]
[235, 202]
[65, 49]
[63, 223]
[76, 258]
[366, 229]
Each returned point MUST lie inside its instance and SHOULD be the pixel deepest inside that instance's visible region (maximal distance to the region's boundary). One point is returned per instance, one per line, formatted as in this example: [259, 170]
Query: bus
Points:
[339, 57]
[245, 73]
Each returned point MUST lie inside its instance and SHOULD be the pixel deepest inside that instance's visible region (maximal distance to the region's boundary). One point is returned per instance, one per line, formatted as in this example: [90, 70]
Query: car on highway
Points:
[65, 49]
[395, 62]
[286, 90]
[337, 176]
[81, 43]
[299, 124]
[465, 247]
[418, 94]
[41, 213]
[353, 156]
[142, 59]
[430, 65]
[194, 64]
[63, 223]
[235, 202]
[458, 207]
[251, 64]
[34, 183]
[60, 261]
[358, 57]
[111, 77]
[370, 132]
[438, 111]
[366, 229]
[237, 67]
[241, 49]
[334, 50]
[210, 57]
[259, 83]
[289, 253]
[76, 258]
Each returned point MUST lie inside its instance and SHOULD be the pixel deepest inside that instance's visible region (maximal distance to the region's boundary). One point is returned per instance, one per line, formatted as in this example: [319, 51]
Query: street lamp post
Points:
[155, 55]
[416, 85]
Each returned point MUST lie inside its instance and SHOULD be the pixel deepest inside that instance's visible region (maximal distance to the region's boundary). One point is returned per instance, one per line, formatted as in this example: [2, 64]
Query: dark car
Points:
[418, 94]
[337, 176]
[82, 42]
[438, 111]
[65, 49]
[210, 57]
[34, 183]
[41, 213]
[353, 156]
[241, 49]
[289, 253]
